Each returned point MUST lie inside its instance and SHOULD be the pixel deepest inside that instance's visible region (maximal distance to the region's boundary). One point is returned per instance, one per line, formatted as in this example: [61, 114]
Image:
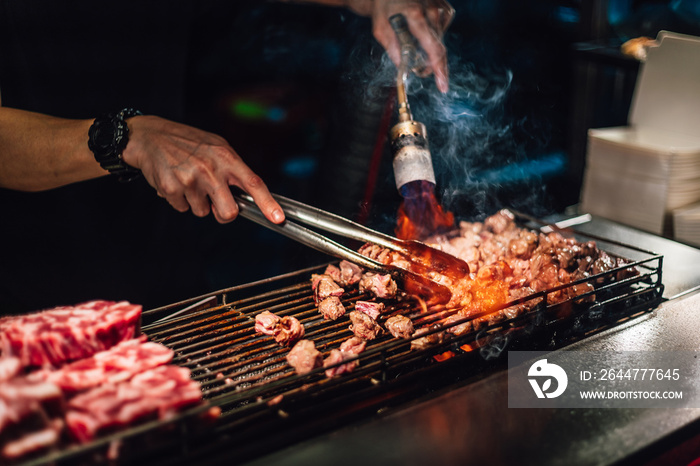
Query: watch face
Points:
[107, 137]
[104, 135]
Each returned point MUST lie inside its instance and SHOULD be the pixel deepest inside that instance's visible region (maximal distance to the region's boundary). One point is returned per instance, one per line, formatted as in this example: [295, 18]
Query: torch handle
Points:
[409, 47]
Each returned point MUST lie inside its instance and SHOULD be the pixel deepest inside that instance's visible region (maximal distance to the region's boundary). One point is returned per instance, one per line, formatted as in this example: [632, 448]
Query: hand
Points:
[193, 169]
[427, 21]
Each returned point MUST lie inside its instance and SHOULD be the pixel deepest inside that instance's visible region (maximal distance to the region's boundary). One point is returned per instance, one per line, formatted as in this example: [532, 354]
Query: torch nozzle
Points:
[409, 143]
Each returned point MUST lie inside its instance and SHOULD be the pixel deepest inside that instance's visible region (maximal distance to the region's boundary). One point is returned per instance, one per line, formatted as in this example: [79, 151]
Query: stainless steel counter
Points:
[471, 423]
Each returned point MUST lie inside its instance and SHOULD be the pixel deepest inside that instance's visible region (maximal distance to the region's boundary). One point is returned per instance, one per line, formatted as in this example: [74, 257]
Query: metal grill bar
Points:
[247, 376]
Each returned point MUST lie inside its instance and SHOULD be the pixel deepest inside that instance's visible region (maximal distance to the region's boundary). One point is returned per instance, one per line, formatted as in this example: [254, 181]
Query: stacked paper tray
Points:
[686, 224]
[641, 173]
[638, 176]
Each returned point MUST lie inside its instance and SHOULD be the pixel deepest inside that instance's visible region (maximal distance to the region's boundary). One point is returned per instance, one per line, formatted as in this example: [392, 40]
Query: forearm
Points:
[40, 152]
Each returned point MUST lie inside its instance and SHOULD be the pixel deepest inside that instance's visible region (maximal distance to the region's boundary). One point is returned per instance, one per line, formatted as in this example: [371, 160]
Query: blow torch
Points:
[413, 165]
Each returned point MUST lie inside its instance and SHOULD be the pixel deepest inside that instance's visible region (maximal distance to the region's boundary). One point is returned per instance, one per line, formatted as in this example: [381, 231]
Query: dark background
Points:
[306, 96]
[301, 92]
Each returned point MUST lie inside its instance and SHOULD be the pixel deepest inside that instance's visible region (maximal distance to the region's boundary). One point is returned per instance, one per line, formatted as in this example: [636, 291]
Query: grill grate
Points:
[265, 404]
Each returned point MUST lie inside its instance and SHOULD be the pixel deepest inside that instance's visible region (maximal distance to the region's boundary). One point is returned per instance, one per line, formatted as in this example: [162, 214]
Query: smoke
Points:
[480, 147]
[495, 344]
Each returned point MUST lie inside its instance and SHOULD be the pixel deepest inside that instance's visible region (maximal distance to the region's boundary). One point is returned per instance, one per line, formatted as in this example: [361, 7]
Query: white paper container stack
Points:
[686, 224]
[640, 174]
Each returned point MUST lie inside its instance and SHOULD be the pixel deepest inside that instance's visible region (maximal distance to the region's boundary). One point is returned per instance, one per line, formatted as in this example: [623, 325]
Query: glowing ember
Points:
[420, 215]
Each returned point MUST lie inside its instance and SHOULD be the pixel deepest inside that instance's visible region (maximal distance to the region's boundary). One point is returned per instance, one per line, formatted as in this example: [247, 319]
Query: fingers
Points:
[223, 206]
[209, 188]
[420, 23]
[253, 185]
[427, 20]
[193, 170]
[385, 35]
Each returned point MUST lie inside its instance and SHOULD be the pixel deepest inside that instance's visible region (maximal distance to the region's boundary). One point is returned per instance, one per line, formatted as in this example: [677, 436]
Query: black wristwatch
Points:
[107, 139]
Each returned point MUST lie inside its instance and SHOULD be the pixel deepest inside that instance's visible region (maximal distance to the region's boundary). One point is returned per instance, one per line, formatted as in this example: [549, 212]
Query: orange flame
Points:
[420, 215]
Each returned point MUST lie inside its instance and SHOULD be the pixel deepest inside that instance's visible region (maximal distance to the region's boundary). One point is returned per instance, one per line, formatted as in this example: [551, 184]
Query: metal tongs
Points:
[420, 257]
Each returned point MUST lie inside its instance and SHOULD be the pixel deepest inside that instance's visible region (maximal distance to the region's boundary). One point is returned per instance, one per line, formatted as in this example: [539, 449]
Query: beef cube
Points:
[457, 329]
[372, 309]
[428, 340]
[265, 323]
[380, 285]
[304, 357]
[399, 326]
[337, 356]
[350, 273]
[348, 349]
[331, 308]
[353, 345]
[325, 287]
[333, 272]
[364, 326]
[288, 330]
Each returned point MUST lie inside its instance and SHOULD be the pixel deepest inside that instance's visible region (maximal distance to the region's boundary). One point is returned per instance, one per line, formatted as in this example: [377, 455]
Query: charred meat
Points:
[364, 326]
[428, 340]
[399, 326]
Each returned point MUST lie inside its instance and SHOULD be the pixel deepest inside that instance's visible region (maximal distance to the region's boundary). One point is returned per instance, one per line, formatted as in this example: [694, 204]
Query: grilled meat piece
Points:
[371, 308]
[350, 273]
[353, 345]
[348, 349]
[265, 323]
[380, 285]
[331, 308]
[499, 251]
[428, 340]
[304, 357]
[500, 222]
[399, 326]
[333, 271]
[364, 326]
[458, 329]
[335, 357]
[288, 330]
[324, 286]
